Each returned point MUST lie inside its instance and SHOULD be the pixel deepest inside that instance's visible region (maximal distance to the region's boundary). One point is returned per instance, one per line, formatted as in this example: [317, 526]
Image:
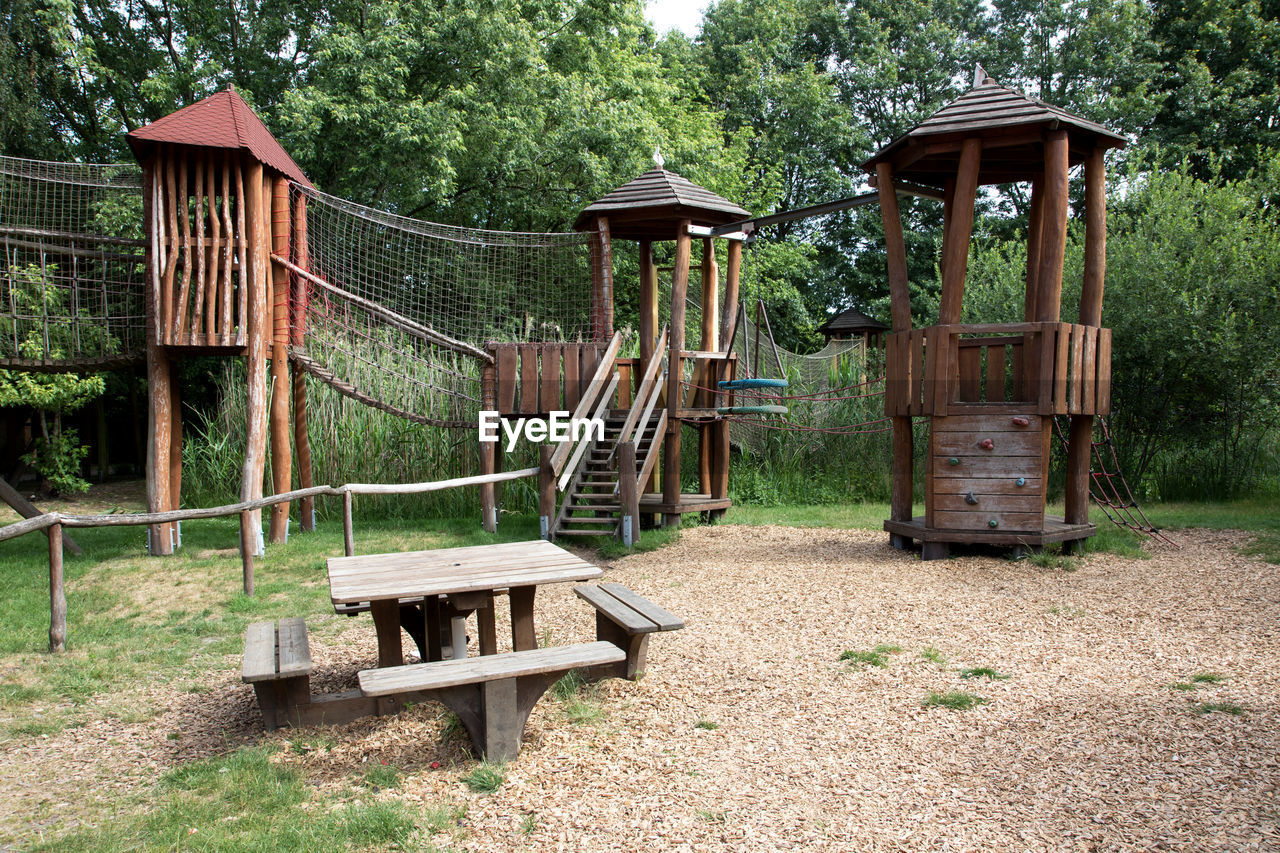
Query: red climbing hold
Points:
[987, 444]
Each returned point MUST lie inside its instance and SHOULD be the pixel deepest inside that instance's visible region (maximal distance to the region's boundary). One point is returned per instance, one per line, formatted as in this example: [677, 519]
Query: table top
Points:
[409, 574]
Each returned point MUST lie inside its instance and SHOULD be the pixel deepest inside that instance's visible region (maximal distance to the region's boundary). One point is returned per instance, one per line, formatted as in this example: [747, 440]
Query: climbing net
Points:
[71, 277]
[1108, 487]
[397, 310]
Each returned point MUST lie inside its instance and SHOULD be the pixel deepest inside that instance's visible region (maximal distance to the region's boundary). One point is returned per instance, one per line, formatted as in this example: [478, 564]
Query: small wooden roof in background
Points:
[651, 206]
[851, 322]
[1013, 122]
[222, 120]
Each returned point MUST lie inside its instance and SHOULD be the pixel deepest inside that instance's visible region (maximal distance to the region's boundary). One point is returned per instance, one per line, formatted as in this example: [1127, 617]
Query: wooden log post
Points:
[675, 373]
[1053, 243]
[298, 249]
[900, 311]
[707, 343]
[159, 396]
[26, 509]
[281, 453]
[1080, 439]
[488, 450]
[57, 594]
[955, 241]
[628, 496]
[602, 281]
[732, 275]
[175, 451]
[546, 490]
[648, 326]
[256, 211]
[348, 525]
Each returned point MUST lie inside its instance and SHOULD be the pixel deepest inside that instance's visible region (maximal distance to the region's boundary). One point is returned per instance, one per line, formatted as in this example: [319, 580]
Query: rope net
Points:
[72, 274]
[398, 310]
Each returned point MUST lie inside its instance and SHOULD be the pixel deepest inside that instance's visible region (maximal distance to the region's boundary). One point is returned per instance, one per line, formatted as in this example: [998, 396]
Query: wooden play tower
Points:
[217, 207]
[990, 392]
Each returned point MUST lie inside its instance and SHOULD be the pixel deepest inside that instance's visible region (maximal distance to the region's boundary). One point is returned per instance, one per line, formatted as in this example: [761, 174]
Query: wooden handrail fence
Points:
[54, 522]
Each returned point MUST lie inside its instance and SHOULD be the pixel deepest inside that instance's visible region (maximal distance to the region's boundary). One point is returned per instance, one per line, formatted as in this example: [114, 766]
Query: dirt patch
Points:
[749, 733]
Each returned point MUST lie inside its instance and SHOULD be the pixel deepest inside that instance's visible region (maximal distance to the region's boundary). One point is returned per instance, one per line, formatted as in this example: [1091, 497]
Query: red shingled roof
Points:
[222, 120]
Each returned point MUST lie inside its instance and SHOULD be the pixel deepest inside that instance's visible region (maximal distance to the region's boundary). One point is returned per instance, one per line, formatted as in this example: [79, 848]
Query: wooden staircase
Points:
[591, 504]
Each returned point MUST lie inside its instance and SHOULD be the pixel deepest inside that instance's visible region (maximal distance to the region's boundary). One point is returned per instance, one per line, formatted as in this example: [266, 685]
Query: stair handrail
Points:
[646, 395]
[587, 438]
[589, 400]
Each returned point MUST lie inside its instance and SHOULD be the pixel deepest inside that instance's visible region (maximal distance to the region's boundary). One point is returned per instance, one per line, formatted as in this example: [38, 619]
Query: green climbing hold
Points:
[953, 461]
[1022, 481]
[993, 523]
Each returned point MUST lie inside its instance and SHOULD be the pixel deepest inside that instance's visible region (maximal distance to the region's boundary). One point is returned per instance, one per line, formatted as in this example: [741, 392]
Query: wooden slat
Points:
[987, 503]
[665, 620]
[1103, 406]
[224, 282]
[1061, 368]
[893, 370]
[1005, 443]
[1044, 360]
[915, 395]
[572, 385]
[627, 617]
[215, 235]
[259, 652]
[507, 364]
[588, 363]
[946, 520]
[624, 384]
[995, 374]
[1019, 375]
[529, 379]
[197, 302]
[986, 466]
[549, 388]
[180, 321]
[453, 673]
[987, 423]
[1089, 370]
[987, 486]
[294, 652]
[970, 384]
[1076, 395]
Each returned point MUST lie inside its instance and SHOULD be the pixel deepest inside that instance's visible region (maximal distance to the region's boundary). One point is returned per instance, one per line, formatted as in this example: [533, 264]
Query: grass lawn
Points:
[136, 621]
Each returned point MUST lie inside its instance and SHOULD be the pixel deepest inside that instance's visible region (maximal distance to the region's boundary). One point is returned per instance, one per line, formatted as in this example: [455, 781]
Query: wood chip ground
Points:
[1083, 747]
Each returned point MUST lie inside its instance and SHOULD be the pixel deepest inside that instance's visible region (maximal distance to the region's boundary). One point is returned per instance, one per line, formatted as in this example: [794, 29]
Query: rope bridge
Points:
[72, 275]
[396, 311]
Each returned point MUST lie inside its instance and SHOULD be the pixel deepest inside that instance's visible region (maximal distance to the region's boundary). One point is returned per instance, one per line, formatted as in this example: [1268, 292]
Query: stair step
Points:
[574, 519]
[590, 496]
[565, 531]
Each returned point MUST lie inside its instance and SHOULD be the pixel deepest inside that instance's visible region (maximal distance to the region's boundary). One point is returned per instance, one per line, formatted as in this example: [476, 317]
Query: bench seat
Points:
[626, 620]
[492, 695]
[277, 662]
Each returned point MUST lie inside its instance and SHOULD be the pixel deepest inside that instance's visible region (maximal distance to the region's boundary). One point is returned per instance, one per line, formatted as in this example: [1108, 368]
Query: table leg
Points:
[431, 605]
[523, 637]
[386, 620]
[458, 636]
[487, 626]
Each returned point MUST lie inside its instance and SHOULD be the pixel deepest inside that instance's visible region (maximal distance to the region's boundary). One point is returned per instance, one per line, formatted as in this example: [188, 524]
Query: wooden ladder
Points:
[591, 504]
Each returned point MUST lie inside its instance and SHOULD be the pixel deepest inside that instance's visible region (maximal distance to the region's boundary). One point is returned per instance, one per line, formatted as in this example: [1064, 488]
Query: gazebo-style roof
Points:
[1011, 125]
[222, 120]
[651, 206]
[851, 322]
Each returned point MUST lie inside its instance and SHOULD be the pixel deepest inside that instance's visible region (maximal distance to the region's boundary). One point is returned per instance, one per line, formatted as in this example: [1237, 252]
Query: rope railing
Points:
[53, 522]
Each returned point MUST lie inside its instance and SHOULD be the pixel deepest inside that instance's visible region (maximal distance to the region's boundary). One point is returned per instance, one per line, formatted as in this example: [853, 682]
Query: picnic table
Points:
[461, 579]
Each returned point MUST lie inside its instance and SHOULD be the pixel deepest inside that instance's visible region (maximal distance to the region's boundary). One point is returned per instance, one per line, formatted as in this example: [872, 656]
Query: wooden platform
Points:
[652, 502]
[1055, 530]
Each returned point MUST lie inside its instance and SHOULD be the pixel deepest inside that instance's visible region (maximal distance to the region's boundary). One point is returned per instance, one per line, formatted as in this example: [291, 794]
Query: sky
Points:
[685, 15]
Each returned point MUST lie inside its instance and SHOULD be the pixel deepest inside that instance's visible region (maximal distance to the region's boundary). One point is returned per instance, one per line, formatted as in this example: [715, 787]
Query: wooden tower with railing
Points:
[217, 207]
[991, 392]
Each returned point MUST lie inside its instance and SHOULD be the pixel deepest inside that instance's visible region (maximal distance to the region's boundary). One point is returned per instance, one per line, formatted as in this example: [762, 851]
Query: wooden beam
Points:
[255, 302]
[57, 593]
[26, 509]
[731, 284]
[1095, 238]
[1054, 236]
[154, 180]
[299, 250]
[671, 446]
[281, 453]
[955, 244]
[895, 246]
[648, 302]
[1035, 233]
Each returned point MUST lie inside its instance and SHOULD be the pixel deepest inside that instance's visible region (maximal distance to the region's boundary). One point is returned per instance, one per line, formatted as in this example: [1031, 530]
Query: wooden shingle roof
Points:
[1012, 122]
[851, 321]
[222, 120]
[651, 206]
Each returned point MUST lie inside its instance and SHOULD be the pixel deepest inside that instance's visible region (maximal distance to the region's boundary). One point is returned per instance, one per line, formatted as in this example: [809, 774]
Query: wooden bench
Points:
[626, 620]
[277, 662]
[492, 695]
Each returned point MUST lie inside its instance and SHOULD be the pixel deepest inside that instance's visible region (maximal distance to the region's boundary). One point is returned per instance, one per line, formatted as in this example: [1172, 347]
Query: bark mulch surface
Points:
[749, 733]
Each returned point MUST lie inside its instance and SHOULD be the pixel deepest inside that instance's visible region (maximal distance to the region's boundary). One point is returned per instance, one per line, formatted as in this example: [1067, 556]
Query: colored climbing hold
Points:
[987, 444]
[953, 461]
[1022, 481]
[1021, 421]
[971, 499]
[993, 523]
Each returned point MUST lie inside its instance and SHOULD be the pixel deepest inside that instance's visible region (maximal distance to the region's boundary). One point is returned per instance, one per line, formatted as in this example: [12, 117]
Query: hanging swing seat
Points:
[751, 410]
[747, 384]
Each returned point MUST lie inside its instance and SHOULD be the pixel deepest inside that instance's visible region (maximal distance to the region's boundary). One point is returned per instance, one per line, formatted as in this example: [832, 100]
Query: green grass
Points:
[1219, 707]
[1182, 686]
[650, 540]
[246, 802]
[528, 823]
[1208, 678]
[932, 655]
[578, 699]
[956, 700]
[382, 776]
[871, 657]
[982, 672]
[485, 778]
[706, 725]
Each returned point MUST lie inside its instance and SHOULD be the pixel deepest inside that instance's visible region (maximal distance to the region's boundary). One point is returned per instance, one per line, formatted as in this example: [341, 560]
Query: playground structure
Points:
[991, 391]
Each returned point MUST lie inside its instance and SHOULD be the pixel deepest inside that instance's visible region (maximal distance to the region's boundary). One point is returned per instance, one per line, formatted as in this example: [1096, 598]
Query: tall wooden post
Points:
[602, 281]
[175, 450]
[57, 593]
[298, 325]
[732, 275]
[648, 325]
[546, 490]
[1080, 440]
[1035, 232]
[628, 499]
[488, 451]
[955, 243]
[1053, 243]
[256, 232]
[159, 396]
[707, 343]
[675, 373]
[900, 310]
[281, 456]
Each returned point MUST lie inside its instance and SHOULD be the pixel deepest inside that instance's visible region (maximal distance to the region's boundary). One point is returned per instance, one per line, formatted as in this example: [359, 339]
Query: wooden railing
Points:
[54, 522]
[595, 397]
[539, 378]
[1050, 368]
[646, 396]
